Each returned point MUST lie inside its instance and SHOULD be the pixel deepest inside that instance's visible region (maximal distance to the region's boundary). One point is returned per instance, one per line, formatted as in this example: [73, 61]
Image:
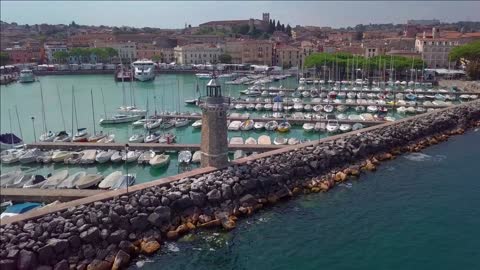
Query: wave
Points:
[421, 157]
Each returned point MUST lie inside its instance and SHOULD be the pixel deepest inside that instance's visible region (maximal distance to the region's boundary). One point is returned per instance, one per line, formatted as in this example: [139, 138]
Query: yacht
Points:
[144, 70]
[26, 76]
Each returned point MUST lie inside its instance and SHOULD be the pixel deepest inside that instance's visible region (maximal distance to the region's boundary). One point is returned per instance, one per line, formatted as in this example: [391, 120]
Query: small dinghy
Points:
[234, 125]
[45, 157]
[131, 156]
[54, 180]
[71, 181]
[167, 138]
[328, 108]
[345, 127]
[124, 181]
[19, 182]
[320, 126]
[284, 127]
[153, 124]
[74, 158]
[247, 125]
[12, 156]
[104, 156]
[264, 140]
[136, 138]
[36, 182]
[357, 126]
[259, 125]
[238, 154]
[159, 160]
[107, 139]
[271, 125]
[18, 209]
[250, 140]
[152, 138]
[293, 141]
[236, 140]
[181, 122]
[117, 156]
[89, 180]
[197, 157]
[197, 124]
[10, 177]
[60, 156]
[184, 156]
[308, 127]
[280, 141]
[110, 180]
[88, 156]
[30, 156]
[332, 126]
[145, 157]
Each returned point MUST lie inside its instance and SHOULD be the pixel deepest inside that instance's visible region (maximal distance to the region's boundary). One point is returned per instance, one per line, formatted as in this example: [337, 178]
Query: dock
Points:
[337, 104]
[375, 91]
[45, 195]
[159, 147]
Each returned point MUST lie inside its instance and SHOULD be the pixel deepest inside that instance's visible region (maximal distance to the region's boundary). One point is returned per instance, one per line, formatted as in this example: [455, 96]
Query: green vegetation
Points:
[469, 54]
[156, 58]
[398, 63]
[3, 58]
[83, 54]
[225, 59]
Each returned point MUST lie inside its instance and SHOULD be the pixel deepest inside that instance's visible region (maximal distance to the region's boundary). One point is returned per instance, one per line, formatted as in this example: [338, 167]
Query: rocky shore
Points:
[109, 234]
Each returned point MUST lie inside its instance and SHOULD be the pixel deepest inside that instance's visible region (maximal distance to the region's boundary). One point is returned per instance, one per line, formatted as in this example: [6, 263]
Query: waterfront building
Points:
[235, 50]
[85, 39]
[287, 56]
[197, 54]
[22, 54]
[258, 52]
[51, 48]
[127, 51]
[153, 52]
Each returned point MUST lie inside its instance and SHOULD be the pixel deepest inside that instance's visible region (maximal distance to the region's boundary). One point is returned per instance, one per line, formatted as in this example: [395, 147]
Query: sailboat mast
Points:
[18, 120]
[43, 110]
[61, 109]
[93, 112]
[103, 100]
[73, 108]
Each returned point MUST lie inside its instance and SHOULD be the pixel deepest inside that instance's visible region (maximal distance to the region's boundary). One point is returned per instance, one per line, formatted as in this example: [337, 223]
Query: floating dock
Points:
[338, 104]
[45, 195]
[382, 91]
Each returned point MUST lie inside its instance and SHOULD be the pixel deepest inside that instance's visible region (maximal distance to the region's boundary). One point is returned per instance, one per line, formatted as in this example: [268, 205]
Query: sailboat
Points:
[62, 136]
[82, 134]
[46, 136]
[193, 101]
[132, 109]
[96, 136]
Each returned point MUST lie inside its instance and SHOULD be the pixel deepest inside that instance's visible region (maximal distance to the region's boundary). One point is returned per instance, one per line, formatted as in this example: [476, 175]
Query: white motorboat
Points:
[197, 124]
[104, 156]
[184, 156]
[81, 135]
[239, 106]
[234, 125]
[191, 101]
[167, 138]
[236, 140]
[328, 108]
[136, 138]
[320, 126]
[250, 140]
[10, 177]
[259, 107]
[284, 126]
[11, 155]
[9, 140]
[345, 127]
[47, 137]
[144, 70]
[142, 122]
[280, 141]
[181, 122]
[203, 76]
[108, 181]
[35, 182]
[54, 180]
[259, 125]
[332, 126]
[317, 108]
[152, 137]
[341, 116]
[132, 110]
[247, 125]
[271, 125]
[117, 156]
[88, 156]
[197, 157]
[265, 140]
[145, 157]
[308, 127]
[124, 181]
[298, 106]
[357, 126]
[293, 141]
[238, 154]
[18, 182]
[26, 76]
[96, 137]
[60, 156]
[401, 109]
[131, 156]
[30, 156]
[159, 160]
[74, 159]
[268, 107]
[120, 118]
[107, 139]
[62, 136]
[372, 109]
[88, 180]
[153, 124]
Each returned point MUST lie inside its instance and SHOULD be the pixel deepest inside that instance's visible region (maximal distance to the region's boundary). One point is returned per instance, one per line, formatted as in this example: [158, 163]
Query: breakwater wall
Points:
[106, 231]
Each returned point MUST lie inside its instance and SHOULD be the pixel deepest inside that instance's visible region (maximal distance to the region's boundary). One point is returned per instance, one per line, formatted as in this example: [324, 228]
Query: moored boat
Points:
[88, 181]
[159, 160]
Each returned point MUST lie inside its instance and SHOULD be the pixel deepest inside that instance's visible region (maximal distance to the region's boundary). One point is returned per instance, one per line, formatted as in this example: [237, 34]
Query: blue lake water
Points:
[420, 211]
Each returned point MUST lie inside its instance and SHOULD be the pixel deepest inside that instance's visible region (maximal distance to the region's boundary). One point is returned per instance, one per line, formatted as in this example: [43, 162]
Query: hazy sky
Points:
[175, 14]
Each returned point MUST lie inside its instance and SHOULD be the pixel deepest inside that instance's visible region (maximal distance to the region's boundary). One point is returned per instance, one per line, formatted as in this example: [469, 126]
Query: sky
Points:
[169, 14]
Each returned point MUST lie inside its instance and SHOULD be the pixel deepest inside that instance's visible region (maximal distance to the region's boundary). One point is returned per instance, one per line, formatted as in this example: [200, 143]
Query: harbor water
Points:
[419, 211]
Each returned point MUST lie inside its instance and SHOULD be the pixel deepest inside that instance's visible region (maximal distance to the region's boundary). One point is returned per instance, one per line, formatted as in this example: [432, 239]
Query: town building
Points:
[51, 48]
[287, 56]
[231, 24]
[197, 54]
[155, 53]
[21, 54]
[127, 51]
[258, 52]
[235, 50]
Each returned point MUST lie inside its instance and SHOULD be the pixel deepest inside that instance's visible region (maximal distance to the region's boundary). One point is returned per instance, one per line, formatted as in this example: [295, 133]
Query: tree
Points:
[4, 58]
[61, 56]
[156, 58]
[278, 27]
[73, 24]
[282, 27]
[225, 59]
[189, 26]
[469, 54]
[289, 30]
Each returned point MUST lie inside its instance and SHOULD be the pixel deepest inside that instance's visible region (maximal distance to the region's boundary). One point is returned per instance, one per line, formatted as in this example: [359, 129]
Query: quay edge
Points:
[104, 231]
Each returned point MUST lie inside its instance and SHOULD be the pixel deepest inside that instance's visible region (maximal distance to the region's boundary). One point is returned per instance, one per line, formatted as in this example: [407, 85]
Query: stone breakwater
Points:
[108, 234]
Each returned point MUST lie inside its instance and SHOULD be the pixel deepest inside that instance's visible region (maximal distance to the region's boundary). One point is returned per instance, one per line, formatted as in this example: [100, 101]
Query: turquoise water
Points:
[420, 211]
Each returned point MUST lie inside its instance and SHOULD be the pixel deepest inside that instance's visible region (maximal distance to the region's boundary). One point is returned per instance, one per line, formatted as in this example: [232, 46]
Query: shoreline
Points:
[137, 222]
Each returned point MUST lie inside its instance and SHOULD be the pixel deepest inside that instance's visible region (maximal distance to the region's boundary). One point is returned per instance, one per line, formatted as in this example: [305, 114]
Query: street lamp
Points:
[33, 125]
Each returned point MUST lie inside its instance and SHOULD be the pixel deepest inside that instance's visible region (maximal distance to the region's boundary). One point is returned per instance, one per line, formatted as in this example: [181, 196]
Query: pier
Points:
[69, 146]
[376, 91]
[45, 195]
